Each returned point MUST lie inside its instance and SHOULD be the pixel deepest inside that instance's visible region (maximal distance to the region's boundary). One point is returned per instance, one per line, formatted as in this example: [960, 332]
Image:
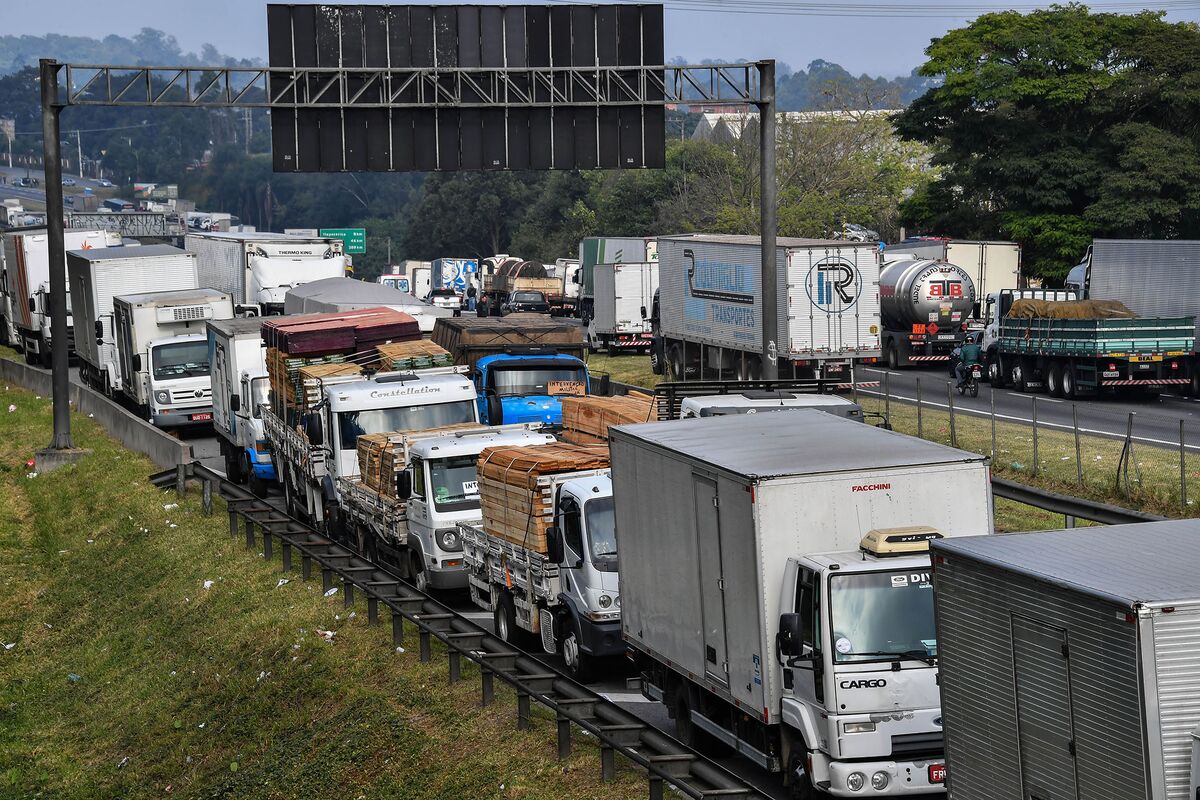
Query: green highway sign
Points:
[354, 239]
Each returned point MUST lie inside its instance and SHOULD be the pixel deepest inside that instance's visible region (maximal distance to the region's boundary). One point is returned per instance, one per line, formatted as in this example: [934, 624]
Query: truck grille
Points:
[189, 395]
[188, 313]
[916, 745]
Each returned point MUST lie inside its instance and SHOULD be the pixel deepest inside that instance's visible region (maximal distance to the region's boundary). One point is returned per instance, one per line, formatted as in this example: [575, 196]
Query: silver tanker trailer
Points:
[924, 306]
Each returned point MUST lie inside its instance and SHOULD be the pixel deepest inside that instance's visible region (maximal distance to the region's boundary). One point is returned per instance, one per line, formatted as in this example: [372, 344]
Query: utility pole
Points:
[79, 145]
[62, 449]
[769, 221]
[249, 120]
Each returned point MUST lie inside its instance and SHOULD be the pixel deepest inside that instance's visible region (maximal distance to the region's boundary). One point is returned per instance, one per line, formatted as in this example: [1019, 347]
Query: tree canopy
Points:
[1058, 126]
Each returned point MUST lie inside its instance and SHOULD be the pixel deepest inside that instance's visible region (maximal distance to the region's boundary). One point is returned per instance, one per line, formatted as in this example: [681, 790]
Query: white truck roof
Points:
[178, 297]
[802, 441]
[473, 440]
[145, 251]
[782, 399]
[373, 393]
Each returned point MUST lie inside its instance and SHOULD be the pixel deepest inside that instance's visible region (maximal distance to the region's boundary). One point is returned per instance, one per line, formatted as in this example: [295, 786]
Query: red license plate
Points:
[201, 417]
[937, 773]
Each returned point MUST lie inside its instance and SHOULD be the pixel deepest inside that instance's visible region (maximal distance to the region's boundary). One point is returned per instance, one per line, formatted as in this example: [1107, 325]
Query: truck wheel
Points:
[1070, 388]
[233, 468]
[801, 787]
[892, 355]
[579, 663]
[30, 358]
[1018, 377]
[420, 576]
[1054, 377]
[676, 370]
[686, 730]
[995, 370]
[505, 618]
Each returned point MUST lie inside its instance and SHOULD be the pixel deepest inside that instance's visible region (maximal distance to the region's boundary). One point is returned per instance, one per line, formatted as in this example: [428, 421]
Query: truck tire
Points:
[505, 618]
[686, 730]
[1054, 378]
[890, 355]
[801, 787]
[676, 371]
[1018, 376]
[1070, 384]
[995, 370]
[420, 576]
[233, 466]
[580, 665]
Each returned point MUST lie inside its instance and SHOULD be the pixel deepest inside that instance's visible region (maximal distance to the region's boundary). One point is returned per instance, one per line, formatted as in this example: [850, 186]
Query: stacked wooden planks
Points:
[283, 371]
[420, 354]
[311, 379]
[586, 420]
[469, 339]
[383, 456]
[517, 501]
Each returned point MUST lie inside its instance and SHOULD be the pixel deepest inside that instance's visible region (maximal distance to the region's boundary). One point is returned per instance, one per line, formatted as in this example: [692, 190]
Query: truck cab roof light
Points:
[884, 542]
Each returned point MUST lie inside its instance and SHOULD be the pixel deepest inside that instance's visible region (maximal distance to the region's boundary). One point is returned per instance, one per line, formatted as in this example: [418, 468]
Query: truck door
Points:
[712, 581]
[1045, 728]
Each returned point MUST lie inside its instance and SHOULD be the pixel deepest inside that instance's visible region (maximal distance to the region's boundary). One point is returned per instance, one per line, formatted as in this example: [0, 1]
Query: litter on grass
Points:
[331, 592]
[282, 582]
[326, 635]
[208, 584]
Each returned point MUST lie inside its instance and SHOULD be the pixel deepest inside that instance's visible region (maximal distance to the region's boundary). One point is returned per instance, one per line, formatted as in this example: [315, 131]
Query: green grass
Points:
[632, 369]
[128, 679]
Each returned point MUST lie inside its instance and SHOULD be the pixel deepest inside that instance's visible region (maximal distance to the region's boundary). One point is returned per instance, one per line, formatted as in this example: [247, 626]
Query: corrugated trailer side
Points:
[1172, 697]
[1154, 278]
[1040, 687]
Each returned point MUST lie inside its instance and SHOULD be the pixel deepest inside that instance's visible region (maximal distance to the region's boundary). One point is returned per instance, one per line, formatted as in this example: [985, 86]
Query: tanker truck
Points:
[924, 306]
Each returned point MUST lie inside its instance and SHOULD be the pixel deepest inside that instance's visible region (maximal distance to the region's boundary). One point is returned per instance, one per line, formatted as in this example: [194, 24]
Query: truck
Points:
[416, 530]
[420, 279]
[309, 458]
[1152, 277]
[924, 310]
[345, 294]
[1085, 353]
[595, 250]
[95, 277]
[258, 269]
[25, 283]
[520, 276]
[240, 388]
[569, 596]
[454, 273]
[163, 353]
[564, 301]
[621, 307]
[1070, 665]
[992, 266]
[792, 620]
[710, 314]
[522, 365]
[759, 401]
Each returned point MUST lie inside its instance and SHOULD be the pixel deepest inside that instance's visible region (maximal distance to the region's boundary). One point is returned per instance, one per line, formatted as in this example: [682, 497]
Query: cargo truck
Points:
[310, 457]
[258, 269]
[567, 596]
[454, 273]
[622, 304]
[564, 301]
[710, 307]
[414, 526]
[608, 250]
[924, 307]
[163, 353]
[1153, 278]
[991, 266]
[240, 388]
[346, 294]
[95, 277]
[25, 283]
[1068, 357]
[776, 595]
[1071, 662]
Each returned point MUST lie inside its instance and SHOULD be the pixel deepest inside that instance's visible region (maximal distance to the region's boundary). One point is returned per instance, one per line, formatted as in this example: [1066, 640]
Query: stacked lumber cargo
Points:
[586, 420]
[420, 354]
[517, 504]
[312, 377]
[306, 341]
[469, 339]
[383, 456]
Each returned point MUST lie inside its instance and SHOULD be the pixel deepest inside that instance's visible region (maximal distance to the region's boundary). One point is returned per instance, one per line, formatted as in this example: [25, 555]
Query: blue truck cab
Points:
[521, 388]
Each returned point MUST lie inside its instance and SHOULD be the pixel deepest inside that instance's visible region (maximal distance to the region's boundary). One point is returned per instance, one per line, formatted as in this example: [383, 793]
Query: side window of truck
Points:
[572, 526]
[418, 483]
[808, 604]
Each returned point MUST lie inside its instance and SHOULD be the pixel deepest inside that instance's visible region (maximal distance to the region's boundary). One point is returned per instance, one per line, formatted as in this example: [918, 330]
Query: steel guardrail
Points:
[1069, 506]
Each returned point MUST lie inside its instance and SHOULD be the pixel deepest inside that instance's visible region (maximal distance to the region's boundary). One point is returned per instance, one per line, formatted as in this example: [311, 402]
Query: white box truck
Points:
[240, 388]
[1071, 662]
[95, 277]
[992, 266]
[25, 283]
[163, 351]
[259, 268]
[622, 304]
[775, 589]
[709, 319]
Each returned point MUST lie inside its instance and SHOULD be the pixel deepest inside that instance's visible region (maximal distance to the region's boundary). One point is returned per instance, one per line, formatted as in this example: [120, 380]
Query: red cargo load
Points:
[339, 332]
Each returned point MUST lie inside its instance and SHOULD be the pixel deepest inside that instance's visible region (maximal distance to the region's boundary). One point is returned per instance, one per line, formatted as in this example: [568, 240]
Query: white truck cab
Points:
[997, 305]
[757, 401]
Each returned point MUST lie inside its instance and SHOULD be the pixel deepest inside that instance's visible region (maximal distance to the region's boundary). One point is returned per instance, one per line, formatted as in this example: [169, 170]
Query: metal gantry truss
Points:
[429, 87]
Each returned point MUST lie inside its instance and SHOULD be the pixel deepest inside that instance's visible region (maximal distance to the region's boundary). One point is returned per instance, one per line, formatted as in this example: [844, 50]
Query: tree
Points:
[1059, 125]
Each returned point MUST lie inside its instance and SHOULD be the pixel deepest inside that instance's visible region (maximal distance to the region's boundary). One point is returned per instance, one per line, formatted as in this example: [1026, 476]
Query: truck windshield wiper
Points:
[910, 655]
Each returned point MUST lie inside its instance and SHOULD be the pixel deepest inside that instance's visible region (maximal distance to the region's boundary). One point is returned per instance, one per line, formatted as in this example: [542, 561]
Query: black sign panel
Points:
[425, 109]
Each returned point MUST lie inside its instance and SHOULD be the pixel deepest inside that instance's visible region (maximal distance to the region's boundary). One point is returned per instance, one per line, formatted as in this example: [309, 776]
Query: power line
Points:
[98, 130]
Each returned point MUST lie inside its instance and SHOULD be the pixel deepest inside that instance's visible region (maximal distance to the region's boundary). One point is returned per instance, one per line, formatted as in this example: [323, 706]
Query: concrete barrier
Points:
[163, 449]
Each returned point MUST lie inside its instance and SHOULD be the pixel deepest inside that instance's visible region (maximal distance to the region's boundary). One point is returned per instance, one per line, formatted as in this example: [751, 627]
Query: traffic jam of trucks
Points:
[786, 578]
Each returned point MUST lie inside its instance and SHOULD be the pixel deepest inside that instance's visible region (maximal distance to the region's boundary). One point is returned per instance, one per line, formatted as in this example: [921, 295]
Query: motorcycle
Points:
[970, 382]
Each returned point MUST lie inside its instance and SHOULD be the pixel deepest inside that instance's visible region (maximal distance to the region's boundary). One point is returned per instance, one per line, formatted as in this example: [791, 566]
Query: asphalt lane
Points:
[1156, 421]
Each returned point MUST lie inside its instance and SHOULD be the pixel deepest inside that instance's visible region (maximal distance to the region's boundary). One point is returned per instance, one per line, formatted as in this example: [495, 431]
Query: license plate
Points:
[945, 337]
[201, 417]
[1111, 374]
[937, 773]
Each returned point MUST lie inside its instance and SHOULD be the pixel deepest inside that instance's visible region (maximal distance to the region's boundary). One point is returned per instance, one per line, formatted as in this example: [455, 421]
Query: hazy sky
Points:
[884, 45]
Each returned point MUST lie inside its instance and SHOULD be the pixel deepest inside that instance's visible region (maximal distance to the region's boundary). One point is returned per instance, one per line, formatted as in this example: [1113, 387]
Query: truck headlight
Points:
[448, 540]
[855, 781]
[162, 397]
[858, 727]
[880, 781]
[605, 601]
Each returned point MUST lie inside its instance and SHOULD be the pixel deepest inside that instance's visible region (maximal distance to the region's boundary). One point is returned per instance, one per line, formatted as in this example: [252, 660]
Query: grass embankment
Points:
[632, 369]
[121, 675]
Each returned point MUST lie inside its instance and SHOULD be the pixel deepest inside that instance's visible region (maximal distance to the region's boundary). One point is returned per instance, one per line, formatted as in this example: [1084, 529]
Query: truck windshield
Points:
[525, 381]
[352, 424]
[455, 483]
[260, 395]
[180, 360]
[602, 533]
[879, 616]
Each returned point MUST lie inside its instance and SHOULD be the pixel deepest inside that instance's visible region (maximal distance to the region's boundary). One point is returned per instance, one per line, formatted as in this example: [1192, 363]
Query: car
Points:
[105, 182]
[526, 302]
[22, 182]
[68, 181]
[445, 298]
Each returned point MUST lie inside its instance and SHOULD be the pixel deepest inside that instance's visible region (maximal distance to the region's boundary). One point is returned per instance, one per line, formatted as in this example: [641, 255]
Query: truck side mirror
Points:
[789, 642]
[404, 484]
[99, 332]
[136, 360]
[643, 312]
[495, 409]
[312, 429]
[554, 544]
[235, 403]
[33, 305]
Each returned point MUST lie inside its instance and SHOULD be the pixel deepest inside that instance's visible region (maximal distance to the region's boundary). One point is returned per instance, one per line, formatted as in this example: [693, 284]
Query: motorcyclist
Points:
[965, 356]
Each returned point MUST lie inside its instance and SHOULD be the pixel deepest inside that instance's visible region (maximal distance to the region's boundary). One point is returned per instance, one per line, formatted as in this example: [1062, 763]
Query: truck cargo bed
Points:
[1097, 338]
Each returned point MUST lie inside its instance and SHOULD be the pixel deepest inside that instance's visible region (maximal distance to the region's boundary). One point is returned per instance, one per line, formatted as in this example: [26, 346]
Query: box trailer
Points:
[608, 250]
[1071, 662]
[95, 277]
[710, 307]
[240, 387]
[775, 589]
[622, 304]
[992, 266]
